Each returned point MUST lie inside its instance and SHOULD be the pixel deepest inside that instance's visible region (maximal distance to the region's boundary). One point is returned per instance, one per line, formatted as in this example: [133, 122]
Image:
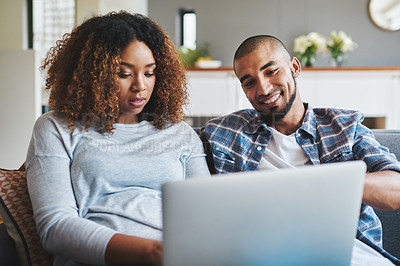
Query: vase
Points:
[308, 61]
[337, 61]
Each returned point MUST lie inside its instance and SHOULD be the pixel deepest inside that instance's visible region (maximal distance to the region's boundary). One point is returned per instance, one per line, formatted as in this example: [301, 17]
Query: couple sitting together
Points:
[115, 135]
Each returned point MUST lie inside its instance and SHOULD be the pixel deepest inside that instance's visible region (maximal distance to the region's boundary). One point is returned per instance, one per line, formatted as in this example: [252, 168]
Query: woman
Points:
[96, 163]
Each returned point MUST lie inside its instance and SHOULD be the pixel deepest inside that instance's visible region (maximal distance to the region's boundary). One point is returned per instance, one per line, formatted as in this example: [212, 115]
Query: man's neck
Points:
[291, 122]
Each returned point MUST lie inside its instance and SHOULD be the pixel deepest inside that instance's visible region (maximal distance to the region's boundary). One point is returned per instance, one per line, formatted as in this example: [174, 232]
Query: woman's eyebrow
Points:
[130, 65]
[126, 64]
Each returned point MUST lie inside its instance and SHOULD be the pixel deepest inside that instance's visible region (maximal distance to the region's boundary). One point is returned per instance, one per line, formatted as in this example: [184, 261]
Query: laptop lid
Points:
[303, 216]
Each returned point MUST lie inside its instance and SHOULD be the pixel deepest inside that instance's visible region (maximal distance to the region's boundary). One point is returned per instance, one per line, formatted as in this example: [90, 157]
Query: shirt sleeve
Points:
[61, 229]
[368, 149]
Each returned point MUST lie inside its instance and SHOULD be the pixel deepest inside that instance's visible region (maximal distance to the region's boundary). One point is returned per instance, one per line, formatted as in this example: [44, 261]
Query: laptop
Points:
[303, 216]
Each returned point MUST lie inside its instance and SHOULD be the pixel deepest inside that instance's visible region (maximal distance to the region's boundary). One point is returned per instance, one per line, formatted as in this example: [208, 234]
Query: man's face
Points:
[268, 77]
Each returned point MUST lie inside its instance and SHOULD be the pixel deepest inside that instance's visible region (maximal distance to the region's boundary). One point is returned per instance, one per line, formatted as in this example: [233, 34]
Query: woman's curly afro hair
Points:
[82, 72]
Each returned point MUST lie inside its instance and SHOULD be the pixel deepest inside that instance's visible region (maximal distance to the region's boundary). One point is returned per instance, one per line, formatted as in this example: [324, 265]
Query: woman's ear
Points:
[69, 90]
[295, 66]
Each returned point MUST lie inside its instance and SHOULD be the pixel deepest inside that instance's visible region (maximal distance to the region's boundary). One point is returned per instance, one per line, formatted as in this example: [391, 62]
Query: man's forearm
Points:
[382, 190]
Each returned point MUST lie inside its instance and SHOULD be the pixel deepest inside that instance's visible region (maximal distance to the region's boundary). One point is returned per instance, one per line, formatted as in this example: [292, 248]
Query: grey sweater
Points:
[86, 186]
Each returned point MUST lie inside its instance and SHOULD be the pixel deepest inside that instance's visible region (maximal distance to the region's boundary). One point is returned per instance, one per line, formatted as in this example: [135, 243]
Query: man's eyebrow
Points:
[130, 65]
[244, 78]
[271, 63]
[268, 65]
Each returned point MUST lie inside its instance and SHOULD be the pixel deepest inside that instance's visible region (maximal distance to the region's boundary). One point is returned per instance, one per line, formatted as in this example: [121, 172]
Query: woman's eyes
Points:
[149, 74]
[127, 75]
[122, 75]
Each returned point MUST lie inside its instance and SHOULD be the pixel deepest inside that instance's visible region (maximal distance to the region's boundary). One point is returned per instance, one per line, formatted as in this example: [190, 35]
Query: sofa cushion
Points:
[16, 211]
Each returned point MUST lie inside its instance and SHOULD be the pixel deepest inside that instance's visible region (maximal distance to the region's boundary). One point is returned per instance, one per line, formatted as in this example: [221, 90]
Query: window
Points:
[49, 20]
[187, 28]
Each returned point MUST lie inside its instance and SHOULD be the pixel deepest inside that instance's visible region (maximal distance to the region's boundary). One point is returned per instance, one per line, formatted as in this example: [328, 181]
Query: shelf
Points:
[383, 68]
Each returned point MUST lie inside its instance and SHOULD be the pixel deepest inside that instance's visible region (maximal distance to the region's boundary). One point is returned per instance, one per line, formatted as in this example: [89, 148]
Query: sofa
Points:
[19, 242]
[390, 220]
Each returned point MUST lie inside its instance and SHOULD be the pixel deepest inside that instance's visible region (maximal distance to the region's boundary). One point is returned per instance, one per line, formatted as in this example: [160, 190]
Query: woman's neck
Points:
[127, 119]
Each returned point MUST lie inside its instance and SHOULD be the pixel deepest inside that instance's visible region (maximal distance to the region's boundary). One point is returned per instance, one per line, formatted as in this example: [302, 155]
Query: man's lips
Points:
[137, 102]
[270, 100]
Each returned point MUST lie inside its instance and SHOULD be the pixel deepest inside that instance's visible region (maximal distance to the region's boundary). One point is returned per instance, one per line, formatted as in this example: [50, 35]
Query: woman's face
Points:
[136, 81]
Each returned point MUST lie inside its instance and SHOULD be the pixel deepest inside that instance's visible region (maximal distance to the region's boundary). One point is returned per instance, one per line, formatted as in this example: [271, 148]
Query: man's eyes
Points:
[270, 72]
[248, 83]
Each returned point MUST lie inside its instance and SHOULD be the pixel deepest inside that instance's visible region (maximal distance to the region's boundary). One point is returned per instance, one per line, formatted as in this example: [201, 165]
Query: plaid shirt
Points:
[238, 142]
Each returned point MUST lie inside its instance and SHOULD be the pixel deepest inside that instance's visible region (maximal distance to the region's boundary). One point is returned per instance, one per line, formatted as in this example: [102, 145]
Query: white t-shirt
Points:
[283, 152]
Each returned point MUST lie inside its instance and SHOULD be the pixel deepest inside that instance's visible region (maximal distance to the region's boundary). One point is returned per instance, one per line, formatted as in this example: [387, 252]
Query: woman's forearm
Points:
[124, 249]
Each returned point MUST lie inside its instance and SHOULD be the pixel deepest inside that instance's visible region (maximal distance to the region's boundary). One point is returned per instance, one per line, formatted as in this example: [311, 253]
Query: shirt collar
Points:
[309, 121]
[256, 123]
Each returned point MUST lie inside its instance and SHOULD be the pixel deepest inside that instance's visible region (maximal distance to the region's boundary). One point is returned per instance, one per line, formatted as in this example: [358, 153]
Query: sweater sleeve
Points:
[61, 229]
[196, 165]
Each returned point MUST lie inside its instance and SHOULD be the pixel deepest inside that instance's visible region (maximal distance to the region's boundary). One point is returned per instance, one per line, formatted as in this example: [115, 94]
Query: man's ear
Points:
[295, 66]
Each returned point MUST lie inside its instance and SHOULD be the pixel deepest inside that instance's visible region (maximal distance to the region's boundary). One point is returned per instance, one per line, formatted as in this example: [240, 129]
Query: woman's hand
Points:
[124, 249]
[156, 253]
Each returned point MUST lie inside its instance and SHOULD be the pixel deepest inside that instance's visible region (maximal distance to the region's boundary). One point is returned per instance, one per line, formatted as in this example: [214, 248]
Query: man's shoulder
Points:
[334, 115]
[232, 121]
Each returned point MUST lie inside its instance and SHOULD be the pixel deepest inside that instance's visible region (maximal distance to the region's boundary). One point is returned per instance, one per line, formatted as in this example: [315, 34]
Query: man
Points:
[283, 131]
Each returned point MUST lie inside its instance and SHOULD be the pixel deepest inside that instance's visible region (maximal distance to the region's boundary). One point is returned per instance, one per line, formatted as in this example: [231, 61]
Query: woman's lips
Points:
[137, 102]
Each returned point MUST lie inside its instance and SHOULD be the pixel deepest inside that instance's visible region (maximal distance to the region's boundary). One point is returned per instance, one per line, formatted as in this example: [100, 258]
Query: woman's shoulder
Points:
[181, 126]
[50, 133]
[49, 119]
[54, 122]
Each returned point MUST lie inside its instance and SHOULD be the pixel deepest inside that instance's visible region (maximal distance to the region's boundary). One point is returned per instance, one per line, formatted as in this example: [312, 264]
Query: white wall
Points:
[19, 93]
[19, 105]
[87, 8]
[226, 23]
[13, 24]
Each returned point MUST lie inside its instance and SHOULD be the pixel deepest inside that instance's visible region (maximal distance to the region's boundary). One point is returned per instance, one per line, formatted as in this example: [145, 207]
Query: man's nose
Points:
[264, 86]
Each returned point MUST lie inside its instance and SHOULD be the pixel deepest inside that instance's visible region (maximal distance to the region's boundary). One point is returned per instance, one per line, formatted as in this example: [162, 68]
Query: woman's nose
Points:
[138, 84]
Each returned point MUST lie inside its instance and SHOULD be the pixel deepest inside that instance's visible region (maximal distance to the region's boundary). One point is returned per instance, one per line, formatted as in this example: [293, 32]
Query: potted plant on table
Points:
[307, 46]
[338, 44]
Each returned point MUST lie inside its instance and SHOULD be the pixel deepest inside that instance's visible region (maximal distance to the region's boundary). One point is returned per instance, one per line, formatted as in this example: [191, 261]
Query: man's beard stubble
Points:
[274, 117]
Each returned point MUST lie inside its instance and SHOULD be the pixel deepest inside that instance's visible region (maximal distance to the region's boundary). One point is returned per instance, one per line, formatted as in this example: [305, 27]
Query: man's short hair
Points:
[252, 43]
